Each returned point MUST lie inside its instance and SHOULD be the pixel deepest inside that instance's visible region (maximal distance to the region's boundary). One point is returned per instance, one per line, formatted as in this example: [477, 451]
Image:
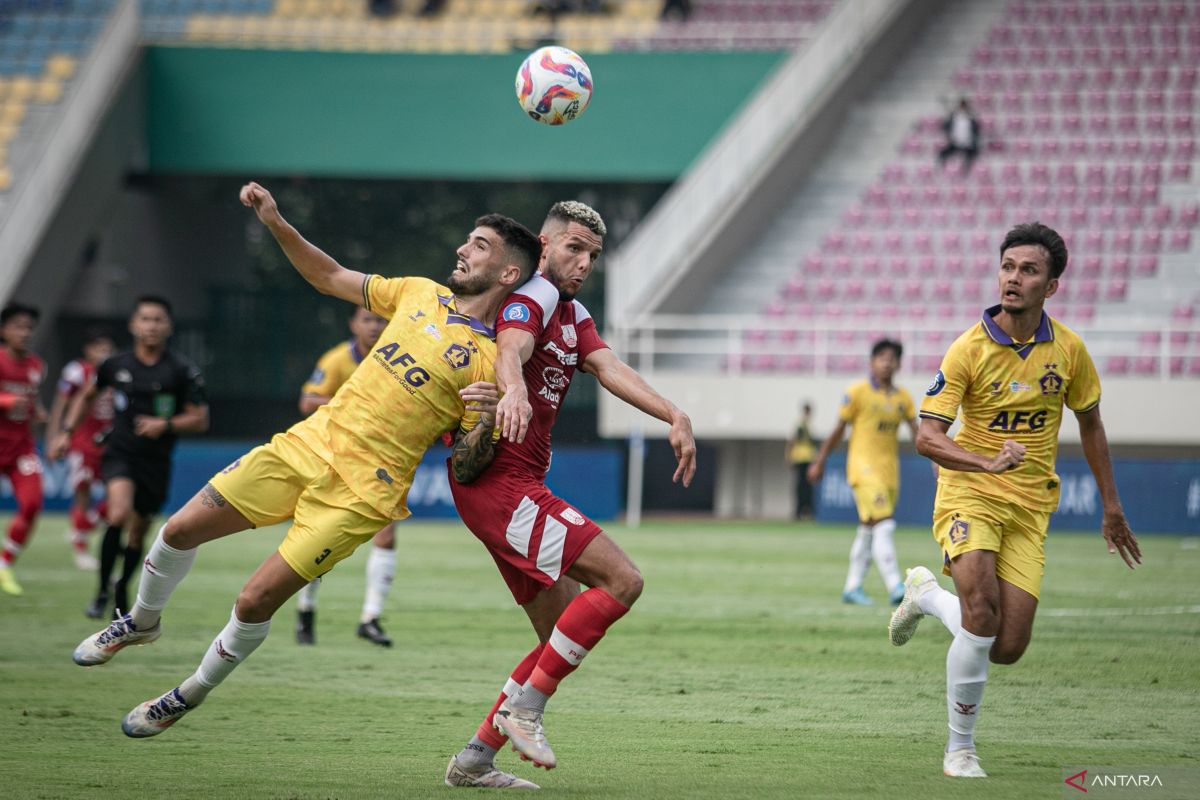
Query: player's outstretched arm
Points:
[816, 470]
[934, 443]
[1113, 525]
[513, 348]
[623, 381]
[58, 410]
[325, 274]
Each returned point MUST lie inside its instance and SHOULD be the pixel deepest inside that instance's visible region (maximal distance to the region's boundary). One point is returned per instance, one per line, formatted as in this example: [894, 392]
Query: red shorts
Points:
[84, 467]
[533, 536]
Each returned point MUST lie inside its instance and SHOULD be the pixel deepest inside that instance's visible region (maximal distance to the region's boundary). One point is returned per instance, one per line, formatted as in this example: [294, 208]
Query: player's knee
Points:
[980, 613]
[627, 585]
[254, 604]
[1007, 652]
[176, 533]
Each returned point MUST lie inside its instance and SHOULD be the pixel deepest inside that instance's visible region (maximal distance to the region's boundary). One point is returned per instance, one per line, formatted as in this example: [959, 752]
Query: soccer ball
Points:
[554, 85]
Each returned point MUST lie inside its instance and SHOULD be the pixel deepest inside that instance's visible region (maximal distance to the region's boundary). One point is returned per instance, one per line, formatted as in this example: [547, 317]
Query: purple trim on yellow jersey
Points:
[354, 351]
[455, 318]
[875, 385]
[367, 294]
[1045, 332]
[938, 417]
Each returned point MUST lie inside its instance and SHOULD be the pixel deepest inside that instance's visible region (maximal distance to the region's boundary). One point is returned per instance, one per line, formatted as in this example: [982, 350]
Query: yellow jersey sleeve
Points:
[908, 409]
[383, 296]
[945, 394]
[1083, 392]
[329, 374]
[850, 405]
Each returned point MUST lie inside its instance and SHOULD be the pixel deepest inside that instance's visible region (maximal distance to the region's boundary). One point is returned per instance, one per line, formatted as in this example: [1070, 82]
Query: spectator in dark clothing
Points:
[962, 135]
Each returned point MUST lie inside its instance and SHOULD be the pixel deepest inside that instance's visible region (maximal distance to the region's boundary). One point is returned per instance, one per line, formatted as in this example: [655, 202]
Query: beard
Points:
[468, 285]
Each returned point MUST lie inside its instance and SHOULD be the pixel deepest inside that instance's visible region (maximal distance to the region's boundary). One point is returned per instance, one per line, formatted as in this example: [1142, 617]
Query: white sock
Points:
[883, 550]
[233, 645]
[162, 570]
[381, 569]
[943, 605]
[966, 675]
[860, 559]
[307, 599]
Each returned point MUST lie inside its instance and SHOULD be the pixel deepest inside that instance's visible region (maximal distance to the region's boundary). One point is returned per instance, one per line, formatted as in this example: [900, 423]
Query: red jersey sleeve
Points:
[521, 312]
[589, 339]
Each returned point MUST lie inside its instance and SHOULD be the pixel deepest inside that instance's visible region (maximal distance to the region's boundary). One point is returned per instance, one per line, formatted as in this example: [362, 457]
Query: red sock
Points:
[577, 631]
[18, 534]
[487, 732]
[81, 523]
[28, 491]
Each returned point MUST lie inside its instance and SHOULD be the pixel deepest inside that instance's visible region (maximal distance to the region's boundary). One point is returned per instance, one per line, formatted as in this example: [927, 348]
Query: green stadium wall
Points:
[262, 112]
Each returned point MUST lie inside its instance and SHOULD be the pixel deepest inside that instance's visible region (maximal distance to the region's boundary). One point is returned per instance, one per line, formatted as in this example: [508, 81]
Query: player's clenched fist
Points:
[1011, 455]
[256, 197]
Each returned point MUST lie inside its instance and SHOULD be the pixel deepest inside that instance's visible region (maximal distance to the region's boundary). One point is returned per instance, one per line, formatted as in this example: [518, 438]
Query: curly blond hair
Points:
[567, 211]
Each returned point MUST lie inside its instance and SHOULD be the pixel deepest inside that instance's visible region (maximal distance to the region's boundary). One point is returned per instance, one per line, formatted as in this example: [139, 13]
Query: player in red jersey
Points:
[21, 373]
[544, 547]
[86, 446]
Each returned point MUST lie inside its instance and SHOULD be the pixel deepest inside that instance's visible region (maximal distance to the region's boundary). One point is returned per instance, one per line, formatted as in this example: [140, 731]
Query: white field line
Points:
[1118, 612]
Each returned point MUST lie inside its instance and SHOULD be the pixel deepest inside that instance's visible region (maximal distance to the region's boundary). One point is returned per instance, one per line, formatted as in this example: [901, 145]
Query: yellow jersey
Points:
[404, 394]
[874, 414]
[1012, 390]
[333, 369]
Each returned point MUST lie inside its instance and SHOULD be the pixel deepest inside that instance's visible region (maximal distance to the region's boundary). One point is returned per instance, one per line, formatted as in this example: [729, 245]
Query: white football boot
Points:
[523, 727]
[908, 614]
[488, 778]
[155, 716]
[100, 647]
[962, 764]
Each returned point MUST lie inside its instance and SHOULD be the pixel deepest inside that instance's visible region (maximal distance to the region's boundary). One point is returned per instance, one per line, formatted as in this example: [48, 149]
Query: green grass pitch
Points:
[738, 674]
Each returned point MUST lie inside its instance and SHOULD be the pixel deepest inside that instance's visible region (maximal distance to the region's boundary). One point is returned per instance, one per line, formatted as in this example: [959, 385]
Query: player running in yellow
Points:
[874, 409]
[333, 369]
[1008, 378]
[344, 472]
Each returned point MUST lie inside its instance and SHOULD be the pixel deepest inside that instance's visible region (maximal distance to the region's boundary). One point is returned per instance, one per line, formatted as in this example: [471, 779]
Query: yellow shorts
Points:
[964, 520]
[284, 479]
[875, 501]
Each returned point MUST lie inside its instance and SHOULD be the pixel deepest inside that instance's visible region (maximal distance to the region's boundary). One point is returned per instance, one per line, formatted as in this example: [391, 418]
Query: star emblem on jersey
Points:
[457, 356]
[959, 530]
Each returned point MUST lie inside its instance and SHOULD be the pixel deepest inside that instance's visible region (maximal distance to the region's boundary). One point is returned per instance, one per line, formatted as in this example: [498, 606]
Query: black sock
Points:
[109, 548]
[131, 564]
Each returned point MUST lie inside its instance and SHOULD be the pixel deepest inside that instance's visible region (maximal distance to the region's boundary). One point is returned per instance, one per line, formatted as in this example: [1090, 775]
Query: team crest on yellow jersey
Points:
[959, 529]
[1051, 382]
[457, 356]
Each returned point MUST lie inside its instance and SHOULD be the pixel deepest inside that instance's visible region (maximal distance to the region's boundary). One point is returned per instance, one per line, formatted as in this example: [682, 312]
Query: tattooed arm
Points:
[473, 451]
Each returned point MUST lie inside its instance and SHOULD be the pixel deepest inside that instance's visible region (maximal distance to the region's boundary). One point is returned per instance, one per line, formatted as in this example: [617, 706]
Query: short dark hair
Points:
[16, 310]
[888, 344]
[1043, 236]
[93, 335]
[156, 300]
[524, 248]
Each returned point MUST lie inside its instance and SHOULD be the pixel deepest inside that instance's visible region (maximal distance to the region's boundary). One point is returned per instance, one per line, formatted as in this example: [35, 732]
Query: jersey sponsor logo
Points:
[517, 312]
[572, 516]
[232, 467]
[565, 358]
[123, 376]
[383, 475]
[324, 555]
[35, 376]
[120, 401]
[457, 356]
[1018, 386]
[555, 378]
[1051, 382]
[569, 337]
[939, 383]
[996, 388]
[317, 376]
[416, 316]
[549, 395]
[433, 331]
[29, 465]
[389, 357]
[1031, 420]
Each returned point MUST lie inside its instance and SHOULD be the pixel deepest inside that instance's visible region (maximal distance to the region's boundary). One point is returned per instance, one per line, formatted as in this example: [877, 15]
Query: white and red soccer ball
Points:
[554, 85]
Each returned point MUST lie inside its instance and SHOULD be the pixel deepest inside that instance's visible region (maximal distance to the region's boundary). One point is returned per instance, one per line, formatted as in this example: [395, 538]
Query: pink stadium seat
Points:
[1116, 365]
[1144, 365]
[1090, 268]
[1116, 290]
[1180, 241]
[1119, 267]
